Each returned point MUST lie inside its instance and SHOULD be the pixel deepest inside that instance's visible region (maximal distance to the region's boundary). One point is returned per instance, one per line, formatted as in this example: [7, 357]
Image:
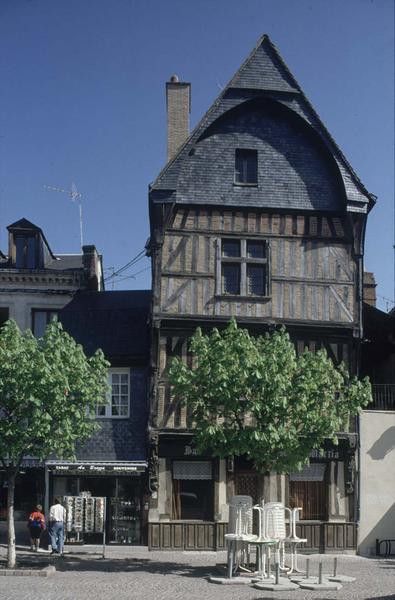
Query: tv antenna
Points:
[75, 196]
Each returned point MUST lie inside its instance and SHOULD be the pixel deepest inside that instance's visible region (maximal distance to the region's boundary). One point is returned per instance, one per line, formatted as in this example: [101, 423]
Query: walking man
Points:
[57, 517]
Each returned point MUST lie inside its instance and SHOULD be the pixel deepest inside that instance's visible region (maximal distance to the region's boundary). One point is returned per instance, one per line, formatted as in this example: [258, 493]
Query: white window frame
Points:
[108, 406]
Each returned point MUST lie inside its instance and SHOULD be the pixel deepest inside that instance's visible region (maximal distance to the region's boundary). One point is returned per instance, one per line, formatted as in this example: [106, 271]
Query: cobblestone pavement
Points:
[133, 573]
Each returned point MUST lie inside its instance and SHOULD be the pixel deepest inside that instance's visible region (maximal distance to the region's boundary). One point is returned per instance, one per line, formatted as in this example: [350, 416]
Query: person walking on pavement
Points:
[36, 525]
[57, 517]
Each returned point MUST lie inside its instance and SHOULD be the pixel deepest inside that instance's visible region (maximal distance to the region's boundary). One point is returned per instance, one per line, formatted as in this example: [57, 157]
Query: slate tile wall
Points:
[294, 170]
[122, 439]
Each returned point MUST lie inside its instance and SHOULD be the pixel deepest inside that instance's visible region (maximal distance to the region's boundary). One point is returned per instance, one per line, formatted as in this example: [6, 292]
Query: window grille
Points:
[183, 469]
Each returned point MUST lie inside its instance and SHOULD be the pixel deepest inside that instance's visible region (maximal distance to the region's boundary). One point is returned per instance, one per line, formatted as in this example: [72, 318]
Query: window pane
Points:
[230, 248]
[124, 378]
[124, 389]
[311, 496]
[193, 499]
[115, 378]
[246, 166]
[231, 279]
[123, 411]
[39, 322]
[114, 410]
[4, 315]
[100, 410]
[256, 249]
[20, 251]
[256, 280]
[31, 252]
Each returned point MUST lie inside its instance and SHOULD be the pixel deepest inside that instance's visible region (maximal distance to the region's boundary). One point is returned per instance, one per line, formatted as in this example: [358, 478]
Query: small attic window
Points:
[26, 252]
[246, 167]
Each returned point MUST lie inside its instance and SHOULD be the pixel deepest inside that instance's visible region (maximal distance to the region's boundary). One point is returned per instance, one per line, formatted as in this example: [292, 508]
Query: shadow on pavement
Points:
[87, 562]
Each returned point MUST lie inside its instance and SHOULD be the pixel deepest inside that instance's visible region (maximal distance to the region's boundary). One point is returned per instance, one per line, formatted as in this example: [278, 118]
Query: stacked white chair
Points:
[239, 532]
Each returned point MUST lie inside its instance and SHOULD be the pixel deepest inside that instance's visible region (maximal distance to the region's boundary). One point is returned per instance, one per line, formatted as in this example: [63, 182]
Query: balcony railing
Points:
[383, 396]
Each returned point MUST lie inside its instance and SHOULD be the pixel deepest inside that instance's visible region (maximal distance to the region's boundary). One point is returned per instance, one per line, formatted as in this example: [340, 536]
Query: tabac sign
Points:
[73, 468]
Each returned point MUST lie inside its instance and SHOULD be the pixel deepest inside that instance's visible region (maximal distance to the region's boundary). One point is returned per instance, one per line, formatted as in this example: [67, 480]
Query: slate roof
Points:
[263, 75]
[115, 321]
[66, 262]
[378, 325]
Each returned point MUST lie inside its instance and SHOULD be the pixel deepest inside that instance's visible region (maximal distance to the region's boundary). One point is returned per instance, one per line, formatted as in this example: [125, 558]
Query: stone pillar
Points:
[221, 508]
[337, 501]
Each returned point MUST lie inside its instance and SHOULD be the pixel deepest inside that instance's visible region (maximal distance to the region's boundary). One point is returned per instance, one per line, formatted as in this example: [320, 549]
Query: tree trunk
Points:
[11, 558]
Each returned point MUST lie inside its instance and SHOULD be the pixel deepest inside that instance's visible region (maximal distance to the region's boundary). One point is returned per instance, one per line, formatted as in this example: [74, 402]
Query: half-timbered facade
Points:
[256, 215]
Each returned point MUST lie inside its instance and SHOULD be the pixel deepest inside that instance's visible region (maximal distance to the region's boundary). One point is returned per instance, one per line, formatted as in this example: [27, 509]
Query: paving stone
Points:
[283, 585]
[342, 578]
[134, 573]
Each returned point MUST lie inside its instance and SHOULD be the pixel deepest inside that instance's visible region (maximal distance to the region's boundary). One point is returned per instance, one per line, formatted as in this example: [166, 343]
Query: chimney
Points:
[369, 288]
[178, 105]
[92, 266]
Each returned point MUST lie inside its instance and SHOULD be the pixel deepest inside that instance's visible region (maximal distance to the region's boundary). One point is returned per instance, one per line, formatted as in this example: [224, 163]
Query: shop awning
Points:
[96, 468]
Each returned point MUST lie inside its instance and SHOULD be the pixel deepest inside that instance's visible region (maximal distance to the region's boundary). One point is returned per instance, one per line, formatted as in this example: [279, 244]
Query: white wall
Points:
[20, 304]
[377, 479]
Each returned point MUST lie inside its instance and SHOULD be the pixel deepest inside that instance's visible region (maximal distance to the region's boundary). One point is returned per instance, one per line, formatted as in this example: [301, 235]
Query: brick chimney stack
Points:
[92, 266]
[369, 288]
[178, 105]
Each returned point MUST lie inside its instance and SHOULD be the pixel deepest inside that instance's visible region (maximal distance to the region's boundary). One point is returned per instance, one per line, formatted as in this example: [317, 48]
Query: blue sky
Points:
[82, 99]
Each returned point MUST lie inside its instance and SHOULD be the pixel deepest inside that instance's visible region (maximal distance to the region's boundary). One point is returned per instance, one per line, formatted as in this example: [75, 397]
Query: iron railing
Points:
[383, 396]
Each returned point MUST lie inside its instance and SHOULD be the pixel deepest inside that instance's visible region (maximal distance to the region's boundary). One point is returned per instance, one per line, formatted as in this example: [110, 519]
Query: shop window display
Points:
[192, 490]
[123, 500]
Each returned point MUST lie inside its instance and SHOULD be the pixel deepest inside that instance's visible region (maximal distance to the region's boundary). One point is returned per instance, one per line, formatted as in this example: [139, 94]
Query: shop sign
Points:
[189, 451]
[102, 469]
[177, 449]
[331, 452]
[325, 454]
[30, 463]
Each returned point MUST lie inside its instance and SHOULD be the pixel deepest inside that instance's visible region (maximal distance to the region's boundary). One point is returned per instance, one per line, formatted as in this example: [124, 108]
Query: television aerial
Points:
[75, 196]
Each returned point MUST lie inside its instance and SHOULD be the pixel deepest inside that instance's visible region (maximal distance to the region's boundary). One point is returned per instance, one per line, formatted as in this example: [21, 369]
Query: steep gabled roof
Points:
[263, 69]
[24, 224]
[263, 74]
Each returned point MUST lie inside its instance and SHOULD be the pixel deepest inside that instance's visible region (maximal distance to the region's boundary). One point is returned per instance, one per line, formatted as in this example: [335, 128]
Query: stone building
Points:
[35, 284]
[258, 215]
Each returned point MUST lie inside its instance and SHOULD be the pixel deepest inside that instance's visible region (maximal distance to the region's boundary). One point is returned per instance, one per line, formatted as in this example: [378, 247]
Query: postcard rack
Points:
[85, 514]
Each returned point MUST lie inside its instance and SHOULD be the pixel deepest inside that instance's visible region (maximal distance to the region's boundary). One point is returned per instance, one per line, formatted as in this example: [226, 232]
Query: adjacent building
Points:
[35, 284]
[113, 462]
[258, 215]
[377, 434]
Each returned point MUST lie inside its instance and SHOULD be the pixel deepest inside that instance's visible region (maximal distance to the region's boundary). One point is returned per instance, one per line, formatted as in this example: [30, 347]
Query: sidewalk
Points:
[134, 573]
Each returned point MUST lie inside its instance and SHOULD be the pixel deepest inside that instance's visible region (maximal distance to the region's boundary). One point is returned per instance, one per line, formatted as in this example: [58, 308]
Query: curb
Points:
[45, 572]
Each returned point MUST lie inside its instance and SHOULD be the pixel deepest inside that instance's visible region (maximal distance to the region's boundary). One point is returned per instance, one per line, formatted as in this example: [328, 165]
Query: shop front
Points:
[29, 491]
[121, 484]
[189, 508]
[188, 511]
[324, 489]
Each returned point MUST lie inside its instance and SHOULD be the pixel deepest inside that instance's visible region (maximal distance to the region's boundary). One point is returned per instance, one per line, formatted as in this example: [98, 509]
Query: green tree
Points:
[48, 394]
[254, 396]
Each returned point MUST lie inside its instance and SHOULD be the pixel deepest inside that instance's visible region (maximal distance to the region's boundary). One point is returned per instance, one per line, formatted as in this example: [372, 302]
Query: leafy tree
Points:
[254, 396]
[48, 394]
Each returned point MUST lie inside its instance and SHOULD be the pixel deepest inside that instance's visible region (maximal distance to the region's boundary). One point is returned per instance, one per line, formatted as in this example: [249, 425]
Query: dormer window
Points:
[246, 167]
[26, 252]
